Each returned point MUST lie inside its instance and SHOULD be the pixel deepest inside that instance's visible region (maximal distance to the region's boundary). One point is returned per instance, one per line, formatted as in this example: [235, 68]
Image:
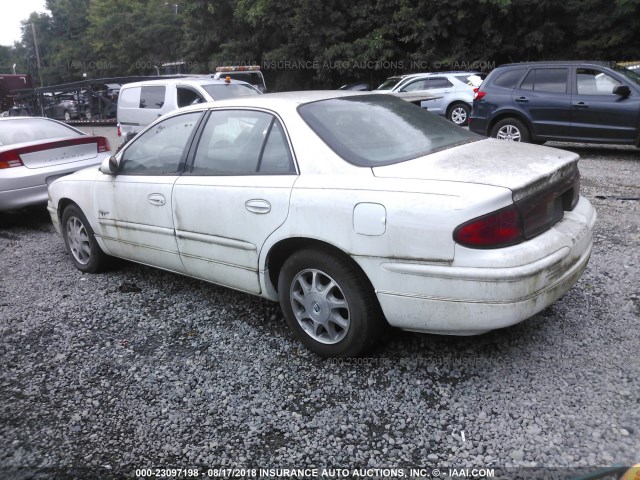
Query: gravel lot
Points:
[135, 368]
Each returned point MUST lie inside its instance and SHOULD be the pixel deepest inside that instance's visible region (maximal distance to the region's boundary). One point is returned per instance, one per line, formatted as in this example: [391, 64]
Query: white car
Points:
[353, 210]
[34, 151]
[453, 92]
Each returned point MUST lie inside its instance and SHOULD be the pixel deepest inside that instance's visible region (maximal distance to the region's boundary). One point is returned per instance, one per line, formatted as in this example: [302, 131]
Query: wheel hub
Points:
[319, 306]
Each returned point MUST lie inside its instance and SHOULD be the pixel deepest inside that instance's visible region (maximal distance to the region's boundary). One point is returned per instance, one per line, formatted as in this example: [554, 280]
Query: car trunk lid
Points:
[524, 169]
[545, 182]
[57, 151]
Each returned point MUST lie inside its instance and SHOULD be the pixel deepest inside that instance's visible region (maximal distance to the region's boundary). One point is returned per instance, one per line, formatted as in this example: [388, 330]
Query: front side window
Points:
[552, 80]
[152, 97]
[242, 142]
[188, 96]
[159, 150]
[595, 82]
[389, 83]
[416, 85]
[375, 130]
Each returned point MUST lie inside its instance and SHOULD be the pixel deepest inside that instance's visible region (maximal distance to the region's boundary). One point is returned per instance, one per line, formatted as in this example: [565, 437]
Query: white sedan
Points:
[353, 210]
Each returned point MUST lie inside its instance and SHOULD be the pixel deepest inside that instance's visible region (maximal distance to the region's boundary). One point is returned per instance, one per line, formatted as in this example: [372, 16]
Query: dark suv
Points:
[564, 101]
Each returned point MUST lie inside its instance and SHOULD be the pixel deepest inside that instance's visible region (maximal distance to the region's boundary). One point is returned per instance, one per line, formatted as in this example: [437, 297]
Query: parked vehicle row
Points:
[355, 210]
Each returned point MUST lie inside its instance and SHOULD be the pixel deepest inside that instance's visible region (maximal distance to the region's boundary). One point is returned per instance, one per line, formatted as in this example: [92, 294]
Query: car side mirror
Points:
[622, 90]
[109, 165]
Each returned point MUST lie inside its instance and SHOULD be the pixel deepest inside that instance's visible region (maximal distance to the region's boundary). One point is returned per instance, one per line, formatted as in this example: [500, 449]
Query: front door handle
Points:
[522, 100]
[156, 199]
[258, 206]
[581, 105]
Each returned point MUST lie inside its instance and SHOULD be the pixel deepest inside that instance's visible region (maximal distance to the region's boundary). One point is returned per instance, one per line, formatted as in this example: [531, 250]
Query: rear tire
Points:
[329, 304]
[511, 129]
[82, 247]
[67, 116]
[458, 113]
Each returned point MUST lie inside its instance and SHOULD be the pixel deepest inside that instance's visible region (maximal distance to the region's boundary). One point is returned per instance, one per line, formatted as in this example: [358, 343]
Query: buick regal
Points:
[354, 210]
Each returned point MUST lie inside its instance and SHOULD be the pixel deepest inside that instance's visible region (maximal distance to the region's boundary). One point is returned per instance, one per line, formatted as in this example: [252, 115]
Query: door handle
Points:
[581, 105]
[522, 100]
[258, 206]
[156, 199]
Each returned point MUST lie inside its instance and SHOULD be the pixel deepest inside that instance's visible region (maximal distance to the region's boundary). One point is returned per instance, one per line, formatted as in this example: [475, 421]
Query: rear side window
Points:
[509, 78]
[438, 83]
[152, 97]
[187, 96]
[552, 80]
[242, 142]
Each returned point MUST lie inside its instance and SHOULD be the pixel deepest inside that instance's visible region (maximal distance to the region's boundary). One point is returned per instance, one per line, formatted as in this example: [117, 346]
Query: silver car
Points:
[36, 151]
[454, 92]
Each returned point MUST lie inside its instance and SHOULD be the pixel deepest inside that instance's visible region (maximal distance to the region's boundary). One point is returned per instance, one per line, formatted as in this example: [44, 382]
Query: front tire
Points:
[84, 251]
[511, 129]
[458, 113]
[329, 304]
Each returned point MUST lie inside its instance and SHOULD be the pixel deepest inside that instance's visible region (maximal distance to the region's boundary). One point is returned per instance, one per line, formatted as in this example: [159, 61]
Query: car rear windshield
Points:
[375, 130]
[222, 91]
[32, 129]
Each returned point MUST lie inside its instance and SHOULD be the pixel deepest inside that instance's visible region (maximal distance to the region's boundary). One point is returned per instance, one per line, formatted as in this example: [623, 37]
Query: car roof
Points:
[281, 99]
[556, 63]
[183, 81]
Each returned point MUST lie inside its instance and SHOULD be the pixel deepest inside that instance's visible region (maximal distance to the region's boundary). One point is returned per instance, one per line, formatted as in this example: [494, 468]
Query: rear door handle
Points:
[156, 199]
[581, 105]
[258, 206]
[522, 100]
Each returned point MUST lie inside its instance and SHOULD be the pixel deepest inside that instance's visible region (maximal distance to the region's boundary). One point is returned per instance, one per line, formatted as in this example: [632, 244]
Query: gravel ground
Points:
[141, 368]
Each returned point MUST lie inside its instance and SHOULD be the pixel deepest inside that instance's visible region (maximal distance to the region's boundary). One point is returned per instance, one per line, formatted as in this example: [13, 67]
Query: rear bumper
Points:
[478, 125]
[23, 197]
[486, 289]
[21, 186]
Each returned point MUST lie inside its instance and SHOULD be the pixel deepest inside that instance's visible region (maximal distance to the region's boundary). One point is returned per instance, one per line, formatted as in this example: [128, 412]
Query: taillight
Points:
[501, 228]
[528, 217]
[479, 94]
[119, 131]
[10, 159]
[103, 145]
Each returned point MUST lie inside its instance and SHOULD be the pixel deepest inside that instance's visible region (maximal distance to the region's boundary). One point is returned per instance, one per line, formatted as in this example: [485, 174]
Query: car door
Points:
[597, 114]
[133, 206]
[545, 99]
[233, 195]
[439, 87]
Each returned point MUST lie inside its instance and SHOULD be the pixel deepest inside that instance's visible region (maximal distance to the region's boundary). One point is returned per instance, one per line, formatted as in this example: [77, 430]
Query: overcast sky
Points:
[13, 11]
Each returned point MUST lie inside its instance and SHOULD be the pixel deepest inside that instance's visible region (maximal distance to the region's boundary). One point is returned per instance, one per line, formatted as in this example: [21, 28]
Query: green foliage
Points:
[310, 44]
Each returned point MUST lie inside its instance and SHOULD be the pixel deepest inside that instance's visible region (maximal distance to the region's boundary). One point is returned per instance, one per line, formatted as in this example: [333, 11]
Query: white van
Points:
[141, 103]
